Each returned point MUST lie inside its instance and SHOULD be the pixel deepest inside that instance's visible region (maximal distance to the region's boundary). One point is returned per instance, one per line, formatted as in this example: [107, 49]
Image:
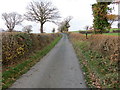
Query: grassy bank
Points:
[16, 46]
[99, 70]
[9, 76]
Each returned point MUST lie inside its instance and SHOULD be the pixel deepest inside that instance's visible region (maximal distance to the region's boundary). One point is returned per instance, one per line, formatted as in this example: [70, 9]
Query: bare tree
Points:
[86, 27]
[64, 25]
[27, 28]
[61, 27]
[116, 2]
[66, 21]
[53, 30]
[11, 20]
[42, 12]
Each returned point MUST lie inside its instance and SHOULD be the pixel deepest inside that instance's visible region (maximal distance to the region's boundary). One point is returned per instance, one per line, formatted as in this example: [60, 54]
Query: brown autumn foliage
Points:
[107, 45]
[16, 46]
[101, 69]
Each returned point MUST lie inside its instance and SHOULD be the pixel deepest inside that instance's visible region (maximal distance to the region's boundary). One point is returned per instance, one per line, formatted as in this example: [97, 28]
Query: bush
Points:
[18, 45]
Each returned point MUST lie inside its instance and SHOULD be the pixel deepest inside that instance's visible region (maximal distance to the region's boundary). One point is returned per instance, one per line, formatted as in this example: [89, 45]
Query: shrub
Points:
[18, 45]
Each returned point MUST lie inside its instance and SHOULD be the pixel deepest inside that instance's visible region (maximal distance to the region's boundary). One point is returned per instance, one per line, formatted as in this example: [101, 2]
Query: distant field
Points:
[112, 34]
[113, 29]
[84, 30]
[109, 34]
[103, 33]
[75, 31]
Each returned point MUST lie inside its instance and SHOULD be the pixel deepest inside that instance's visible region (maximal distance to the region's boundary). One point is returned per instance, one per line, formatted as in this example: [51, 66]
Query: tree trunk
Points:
[41, 28]
[10, 30]
[86, 35]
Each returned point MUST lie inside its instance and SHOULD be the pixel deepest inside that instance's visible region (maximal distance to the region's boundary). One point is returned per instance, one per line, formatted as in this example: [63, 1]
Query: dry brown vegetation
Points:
[16, 46]
[105, 44]
[20, 51]
[99, 56]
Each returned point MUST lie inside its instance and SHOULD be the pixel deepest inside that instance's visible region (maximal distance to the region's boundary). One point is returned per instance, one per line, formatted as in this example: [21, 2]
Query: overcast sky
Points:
[79, 9]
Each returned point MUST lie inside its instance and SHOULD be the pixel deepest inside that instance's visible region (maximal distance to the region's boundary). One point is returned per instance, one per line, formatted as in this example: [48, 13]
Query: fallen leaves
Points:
[100, 67]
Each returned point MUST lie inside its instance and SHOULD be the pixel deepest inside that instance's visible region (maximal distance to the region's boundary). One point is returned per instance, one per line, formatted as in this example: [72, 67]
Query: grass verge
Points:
[13, 73]
[99, 71]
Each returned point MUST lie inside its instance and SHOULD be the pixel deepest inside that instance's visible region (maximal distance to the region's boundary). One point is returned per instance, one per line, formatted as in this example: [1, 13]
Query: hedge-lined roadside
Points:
[100, 67]
[10, 75]
[16, 46]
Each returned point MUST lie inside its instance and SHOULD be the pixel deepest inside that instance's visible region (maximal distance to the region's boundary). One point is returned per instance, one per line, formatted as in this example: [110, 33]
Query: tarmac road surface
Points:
[58, 69]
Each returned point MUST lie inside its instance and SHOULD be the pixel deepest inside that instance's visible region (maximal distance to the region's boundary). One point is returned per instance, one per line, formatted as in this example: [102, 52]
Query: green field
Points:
[103, 33]
[75, 31]
[113, 29]
[112, 34]
[109, 34]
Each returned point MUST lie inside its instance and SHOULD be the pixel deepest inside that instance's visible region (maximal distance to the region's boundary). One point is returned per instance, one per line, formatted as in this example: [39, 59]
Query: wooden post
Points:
[86, 31]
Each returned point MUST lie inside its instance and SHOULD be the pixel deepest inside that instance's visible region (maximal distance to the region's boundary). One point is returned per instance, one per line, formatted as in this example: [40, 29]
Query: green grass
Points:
[104, 33]
[110, 30]
[10, 76]
[116, 34]
[99, 71]
[113, 29]
[112, 34]
[75, 31]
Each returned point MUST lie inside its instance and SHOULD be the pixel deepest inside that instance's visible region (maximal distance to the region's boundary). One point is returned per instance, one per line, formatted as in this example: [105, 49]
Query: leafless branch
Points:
[12, 19]
[42, 12]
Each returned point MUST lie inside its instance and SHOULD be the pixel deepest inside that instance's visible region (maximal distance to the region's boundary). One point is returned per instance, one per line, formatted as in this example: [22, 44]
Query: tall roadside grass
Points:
[99, 58]
[14, 71]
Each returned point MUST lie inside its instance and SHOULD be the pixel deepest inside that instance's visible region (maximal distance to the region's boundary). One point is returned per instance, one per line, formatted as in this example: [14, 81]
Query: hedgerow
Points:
[16, 46]
[99, 56]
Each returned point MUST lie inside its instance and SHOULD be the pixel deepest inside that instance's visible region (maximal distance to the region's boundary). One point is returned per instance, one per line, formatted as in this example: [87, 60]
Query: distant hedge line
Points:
[107, 45]
[15, 46]
[90, 32]
[116, 31]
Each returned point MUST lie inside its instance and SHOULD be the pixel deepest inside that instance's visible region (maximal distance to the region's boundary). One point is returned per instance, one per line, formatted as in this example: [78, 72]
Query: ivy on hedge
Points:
[17, 46]
[100, 10]
[25, 39]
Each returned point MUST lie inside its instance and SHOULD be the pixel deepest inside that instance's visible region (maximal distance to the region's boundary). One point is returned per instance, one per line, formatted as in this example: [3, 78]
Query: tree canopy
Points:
[100, 10]
[42, 12]
[64, 25]
[11, 20]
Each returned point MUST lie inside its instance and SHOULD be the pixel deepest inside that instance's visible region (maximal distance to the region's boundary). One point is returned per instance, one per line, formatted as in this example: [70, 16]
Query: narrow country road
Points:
[58, 69]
